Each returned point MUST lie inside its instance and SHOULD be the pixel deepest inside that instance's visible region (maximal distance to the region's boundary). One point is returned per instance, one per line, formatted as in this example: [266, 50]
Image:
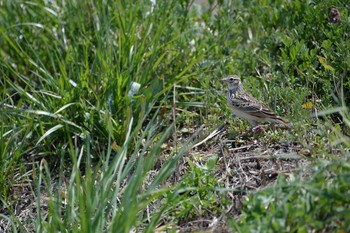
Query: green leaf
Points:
[50, 131]
[324, 63]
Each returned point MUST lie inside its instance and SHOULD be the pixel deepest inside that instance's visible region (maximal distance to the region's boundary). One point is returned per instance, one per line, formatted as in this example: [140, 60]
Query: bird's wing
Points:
[250, 105]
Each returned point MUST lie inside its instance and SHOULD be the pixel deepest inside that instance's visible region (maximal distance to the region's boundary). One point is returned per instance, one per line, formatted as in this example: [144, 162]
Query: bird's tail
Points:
[281, 121]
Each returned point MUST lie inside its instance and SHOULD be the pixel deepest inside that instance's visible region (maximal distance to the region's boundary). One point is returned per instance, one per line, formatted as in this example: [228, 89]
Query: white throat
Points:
[233, 88]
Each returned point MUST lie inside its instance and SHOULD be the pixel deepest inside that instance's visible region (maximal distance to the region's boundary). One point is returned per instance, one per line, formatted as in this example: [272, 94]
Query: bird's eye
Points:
[231, 79]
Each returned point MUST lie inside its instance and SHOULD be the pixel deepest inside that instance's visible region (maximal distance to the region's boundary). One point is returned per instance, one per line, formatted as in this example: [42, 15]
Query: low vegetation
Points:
[102, 103]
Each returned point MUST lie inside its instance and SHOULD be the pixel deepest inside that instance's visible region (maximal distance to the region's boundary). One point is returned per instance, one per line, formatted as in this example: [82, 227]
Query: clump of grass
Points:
[113, 195]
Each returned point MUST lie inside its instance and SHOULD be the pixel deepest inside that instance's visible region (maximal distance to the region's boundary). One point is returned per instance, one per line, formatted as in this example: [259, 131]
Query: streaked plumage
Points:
[246, 106]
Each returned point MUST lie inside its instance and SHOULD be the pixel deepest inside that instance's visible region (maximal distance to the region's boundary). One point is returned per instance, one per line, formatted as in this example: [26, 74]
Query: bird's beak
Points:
[223, 80]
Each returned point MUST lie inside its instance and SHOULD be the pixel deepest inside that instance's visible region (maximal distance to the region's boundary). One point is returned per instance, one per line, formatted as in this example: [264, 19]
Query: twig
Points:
[240, 148]
[216, 132]
[279, 156]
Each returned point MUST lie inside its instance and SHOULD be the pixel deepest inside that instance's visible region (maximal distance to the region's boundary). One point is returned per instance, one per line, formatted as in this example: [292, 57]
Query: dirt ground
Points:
[246, 164]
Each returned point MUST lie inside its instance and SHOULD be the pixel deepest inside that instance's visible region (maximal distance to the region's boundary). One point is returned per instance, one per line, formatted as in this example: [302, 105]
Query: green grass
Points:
[104, 160]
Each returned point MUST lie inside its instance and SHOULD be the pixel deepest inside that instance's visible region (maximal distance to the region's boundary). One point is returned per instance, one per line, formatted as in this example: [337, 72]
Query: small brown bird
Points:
[334, 16]
[246, 106]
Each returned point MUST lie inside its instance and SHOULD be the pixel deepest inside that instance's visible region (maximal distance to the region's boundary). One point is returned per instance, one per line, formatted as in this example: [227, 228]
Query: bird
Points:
[246, 106]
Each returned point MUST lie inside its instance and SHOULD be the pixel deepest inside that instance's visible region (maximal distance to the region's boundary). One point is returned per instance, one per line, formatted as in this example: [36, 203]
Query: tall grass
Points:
[67, 68]
[111, 196]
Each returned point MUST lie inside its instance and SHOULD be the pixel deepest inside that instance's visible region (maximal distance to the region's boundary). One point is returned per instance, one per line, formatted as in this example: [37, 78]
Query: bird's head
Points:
[233, 81]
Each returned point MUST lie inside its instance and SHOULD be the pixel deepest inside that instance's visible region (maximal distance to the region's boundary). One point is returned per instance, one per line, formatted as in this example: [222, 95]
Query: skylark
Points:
[246, 106]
